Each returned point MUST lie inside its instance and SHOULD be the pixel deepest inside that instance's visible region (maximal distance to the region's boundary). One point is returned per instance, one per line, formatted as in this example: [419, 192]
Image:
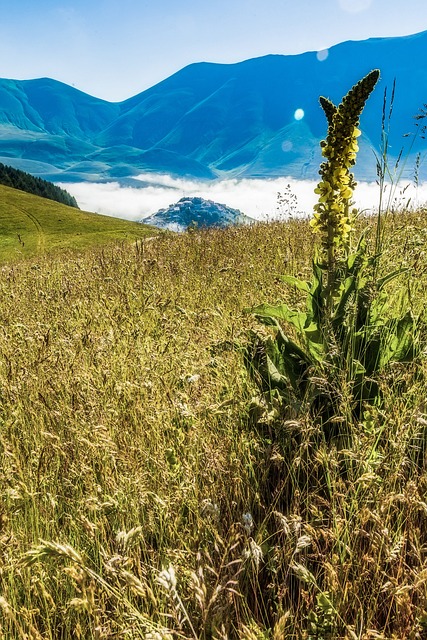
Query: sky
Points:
[114, 49]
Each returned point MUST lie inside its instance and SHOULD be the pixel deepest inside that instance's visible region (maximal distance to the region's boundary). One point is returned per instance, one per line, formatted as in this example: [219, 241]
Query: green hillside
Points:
[30, 225]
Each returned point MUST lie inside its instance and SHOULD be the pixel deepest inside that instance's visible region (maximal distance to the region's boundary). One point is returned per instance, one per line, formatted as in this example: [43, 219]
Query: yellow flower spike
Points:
[346, 193]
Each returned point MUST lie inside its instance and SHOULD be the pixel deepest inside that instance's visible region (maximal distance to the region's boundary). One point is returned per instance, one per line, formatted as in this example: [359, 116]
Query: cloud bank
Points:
[256, 198]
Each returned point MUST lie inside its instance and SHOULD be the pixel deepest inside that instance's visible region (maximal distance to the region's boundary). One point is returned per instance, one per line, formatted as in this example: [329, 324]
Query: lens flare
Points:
[287, 146]
[322, 55]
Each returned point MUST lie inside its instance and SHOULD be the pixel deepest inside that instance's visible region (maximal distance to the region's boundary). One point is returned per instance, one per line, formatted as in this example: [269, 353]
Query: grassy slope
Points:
[125, 432]
[31, 225]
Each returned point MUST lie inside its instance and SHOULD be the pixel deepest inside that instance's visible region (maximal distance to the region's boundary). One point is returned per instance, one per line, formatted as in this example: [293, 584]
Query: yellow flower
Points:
[340, 149]
[346, 192]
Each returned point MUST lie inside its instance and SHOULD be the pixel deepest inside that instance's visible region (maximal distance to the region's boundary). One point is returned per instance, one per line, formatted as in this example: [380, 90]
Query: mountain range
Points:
[216, 120]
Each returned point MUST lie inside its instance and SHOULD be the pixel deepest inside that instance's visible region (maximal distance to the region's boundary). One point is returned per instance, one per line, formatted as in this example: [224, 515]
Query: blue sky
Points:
[114, 49]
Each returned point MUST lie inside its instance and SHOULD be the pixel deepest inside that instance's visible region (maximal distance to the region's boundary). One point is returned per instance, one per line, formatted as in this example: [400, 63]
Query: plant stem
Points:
[330, 273]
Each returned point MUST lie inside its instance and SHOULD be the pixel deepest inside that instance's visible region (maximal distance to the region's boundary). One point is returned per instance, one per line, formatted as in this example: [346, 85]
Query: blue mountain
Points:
[216, 120]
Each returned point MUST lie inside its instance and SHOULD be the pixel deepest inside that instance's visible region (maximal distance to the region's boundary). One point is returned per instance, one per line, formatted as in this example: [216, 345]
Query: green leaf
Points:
[263, 357]
[302, 285]
[367, 349]
[400, 343]
[381, 282]
[295, 361]
[315, 301]
[324, 603]
[376, 310]
[348, 288]
[357, 261]
[282, 312]
[274, 374]
[317, 350]
[350, 260]
[358, 369]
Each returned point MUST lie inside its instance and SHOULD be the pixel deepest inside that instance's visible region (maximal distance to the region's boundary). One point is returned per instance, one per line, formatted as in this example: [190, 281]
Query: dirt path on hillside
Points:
[41, 238]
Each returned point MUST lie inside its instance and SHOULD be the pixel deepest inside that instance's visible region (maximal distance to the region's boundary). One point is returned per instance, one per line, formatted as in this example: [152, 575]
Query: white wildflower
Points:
[167, 578]
[210, 509]
[284, 522]
[253, 552]
[158, 635]
[302, 543]
[303, 573]
[193, 378]
[248, 522]
[295, 523]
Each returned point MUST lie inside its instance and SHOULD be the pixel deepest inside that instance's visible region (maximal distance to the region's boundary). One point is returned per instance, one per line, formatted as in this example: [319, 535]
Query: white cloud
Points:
[256, 198]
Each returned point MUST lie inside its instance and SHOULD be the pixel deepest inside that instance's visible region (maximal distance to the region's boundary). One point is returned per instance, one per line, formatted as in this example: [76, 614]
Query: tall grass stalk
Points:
[390, 176]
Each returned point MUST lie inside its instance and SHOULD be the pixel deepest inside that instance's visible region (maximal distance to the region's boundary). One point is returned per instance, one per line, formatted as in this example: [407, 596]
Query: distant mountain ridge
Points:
[214, 120]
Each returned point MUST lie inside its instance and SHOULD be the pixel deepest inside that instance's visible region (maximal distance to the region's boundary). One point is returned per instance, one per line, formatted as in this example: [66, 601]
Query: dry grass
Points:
[140, 497]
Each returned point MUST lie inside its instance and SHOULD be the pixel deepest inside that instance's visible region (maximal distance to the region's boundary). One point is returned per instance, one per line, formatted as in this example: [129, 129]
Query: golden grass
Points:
[140, 497]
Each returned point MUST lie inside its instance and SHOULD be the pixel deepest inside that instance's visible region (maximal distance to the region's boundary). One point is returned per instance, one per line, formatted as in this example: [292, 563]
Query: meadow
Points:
[149, 491]
[188, 453]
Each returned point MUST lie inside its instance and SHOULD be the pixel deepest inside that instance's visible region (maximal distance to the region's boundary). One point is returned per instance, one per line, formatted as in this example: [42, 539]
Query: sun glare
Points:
[322, 55]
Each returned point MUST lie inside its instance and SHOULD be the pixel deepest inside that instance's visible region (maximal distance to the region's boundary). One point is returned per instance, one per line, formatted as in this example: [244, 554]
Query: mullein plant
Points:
[347, 334]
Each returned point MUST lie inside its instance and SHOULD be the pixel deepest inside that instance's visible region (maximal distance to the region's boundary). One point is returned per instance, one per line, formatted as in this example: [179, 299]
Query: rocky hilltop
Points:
[197, 212]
